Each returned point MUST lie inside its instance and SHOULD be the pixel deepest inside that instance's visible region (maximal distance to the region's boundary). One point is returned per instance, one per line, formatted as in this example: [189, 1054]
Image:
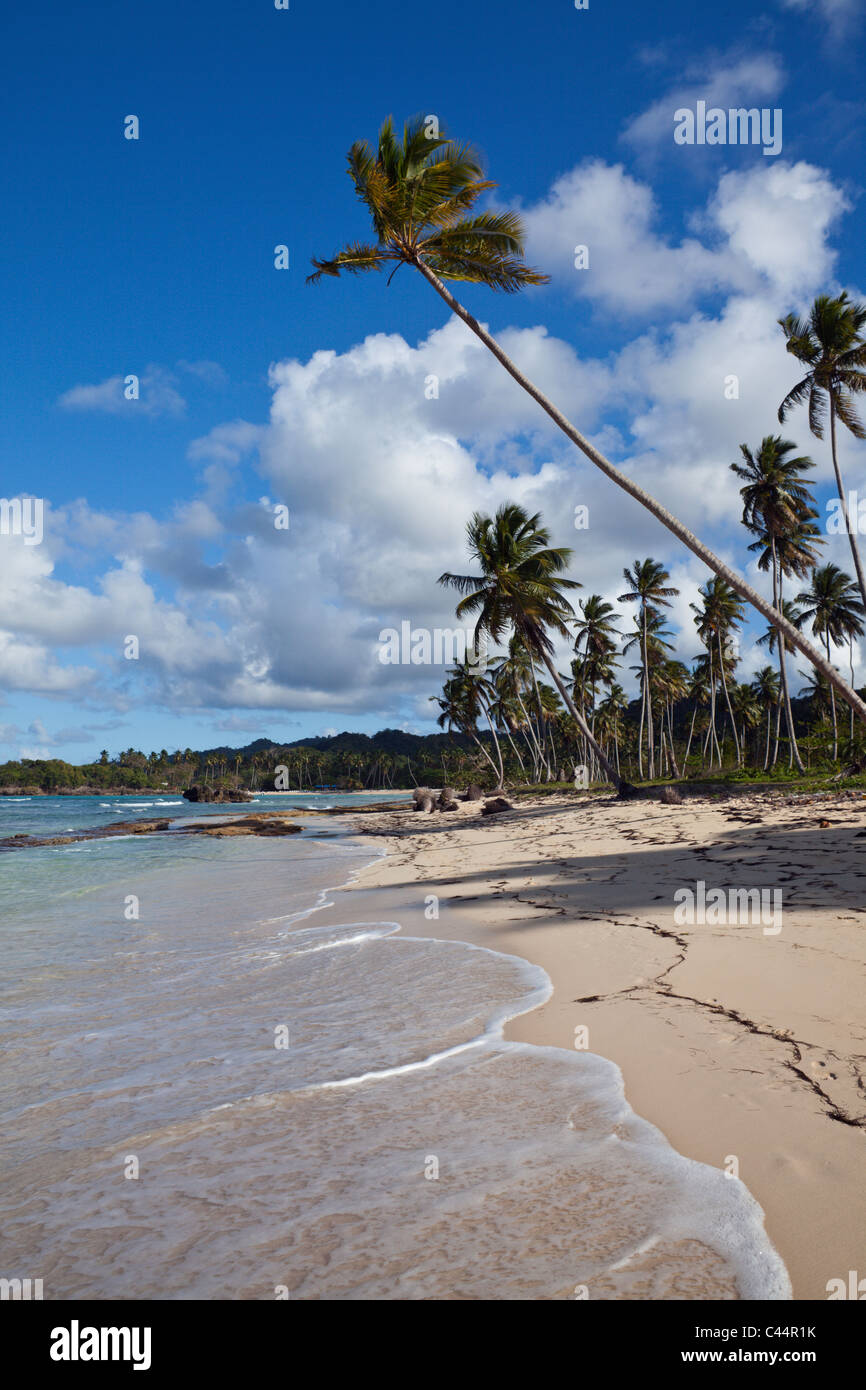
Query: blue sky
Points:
[155, 257]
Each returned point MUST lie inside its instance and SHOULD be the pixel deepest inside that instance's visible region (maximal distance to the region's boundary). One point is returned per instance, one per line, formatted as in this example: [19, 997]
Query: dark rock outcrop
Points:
[495, 805]
[219, 794]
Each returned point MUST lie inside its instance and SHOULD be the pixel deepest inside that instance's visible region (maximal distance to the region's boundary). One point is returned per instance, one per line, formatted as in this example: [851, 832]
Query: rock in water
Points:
[215, 794]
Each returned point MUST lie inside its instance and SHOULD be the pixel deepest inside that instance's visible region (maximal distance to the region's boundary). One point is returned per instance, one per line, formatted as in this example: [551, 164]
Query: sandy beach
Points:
[743, 1043]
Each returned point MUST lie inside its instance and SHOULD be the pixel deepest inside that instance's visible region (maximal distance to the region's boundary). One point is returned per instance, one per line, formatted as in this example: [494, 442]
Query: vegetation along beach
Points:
[433, 676]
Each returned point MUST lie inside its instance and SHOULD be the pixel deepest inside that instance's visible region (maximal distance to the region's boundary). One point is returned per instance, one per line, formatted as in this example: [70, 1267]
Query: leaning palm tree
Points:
[420, 193]
[830, 344]
[831, 605]
[520, 586]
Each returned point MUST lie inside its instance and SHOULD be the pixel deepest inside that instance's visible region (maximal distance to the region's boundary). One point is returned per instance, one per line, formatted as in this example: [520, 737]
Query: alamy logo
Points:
[855, 1288]
[20, 1290]
[856, 508]
[439, 646]
[737, 126]
[699, 906]
[22, 516]
[76, 1343]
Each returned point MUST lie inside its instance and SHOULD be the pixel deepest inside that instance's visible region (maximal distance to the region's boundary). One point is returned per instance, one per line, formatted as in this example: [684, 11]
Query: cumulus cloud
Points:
[763, 227]
[381, 453]
[226, 443]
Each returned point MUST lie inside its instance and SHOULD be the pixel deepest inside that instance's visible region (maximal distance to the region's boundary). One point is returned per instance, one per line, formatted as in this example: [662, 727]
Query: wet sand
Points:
[746, 1047]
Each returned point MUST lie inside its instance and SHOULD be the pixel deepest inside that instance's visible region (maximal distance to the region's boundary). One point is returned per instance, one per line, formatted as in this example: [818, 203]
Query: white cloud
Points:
[158, 395]
[839, 15]
[632, 268]
[210, 373]
[763, 227]
[740, 81]
[383, 451]
[226, 443]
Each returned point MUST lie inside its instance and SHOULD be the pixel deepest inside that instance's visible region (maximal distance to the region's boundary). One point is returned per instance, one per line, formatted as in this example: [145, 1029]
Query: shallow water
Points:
[314, 1112]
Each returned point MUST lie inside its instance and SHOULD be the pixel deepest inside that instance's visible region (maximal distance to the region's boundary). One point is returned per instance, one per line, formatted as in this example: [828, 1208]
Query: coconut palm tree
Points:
[420, 193]
[521, 587]
[609, 717]
[775, 493]
[830, 344]
[464, 698]
[771, 640]
[717, 616]
[516, 675]
[747, 708]
[786, 552]
[765, 685]
[697, 691]
[594, 628]
[671, 684]
[778, 508]
[647, 587]
[649, 634]
[831, 605]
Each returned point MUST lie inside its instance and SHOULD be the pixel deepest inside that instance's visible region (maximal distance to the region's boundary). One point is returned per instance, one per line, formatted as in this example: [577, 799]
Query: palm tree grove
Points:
[550, 709]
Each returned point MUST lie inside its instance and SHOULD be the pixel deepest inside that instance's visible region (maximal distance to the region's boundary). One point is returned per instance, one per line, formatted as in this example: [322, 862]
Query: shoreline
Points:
[745, 1050]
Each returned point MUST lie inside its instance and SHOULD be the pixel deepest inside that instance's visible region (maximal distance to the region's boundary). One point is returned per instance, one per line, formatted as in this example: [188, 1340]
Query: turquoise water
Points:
[206, 1094]
[60, 815]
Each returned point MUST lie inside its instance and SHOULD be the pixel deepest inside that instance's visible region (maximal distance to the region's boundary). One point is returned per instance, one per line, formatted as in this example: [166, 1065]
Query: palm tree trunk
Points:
[542, 741]
[783, 674]
[714, 738]
[530, 736]
[515, 750]
[833, 707]
[649, 703]
[640, 730]
[728, 698]
[477, 740]
[689, 744]
[608, 768]
[851, 666]
[489, 719]
[840, 487]
[672, 756]
[667, 519]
